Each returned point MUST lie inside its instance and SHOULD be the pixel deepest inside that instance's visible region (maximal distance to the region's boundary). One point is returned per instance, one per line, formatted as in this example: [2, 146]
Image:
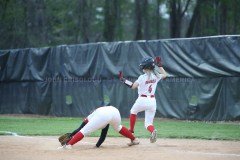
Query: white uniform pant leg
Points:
[149, 116]
[116, 120]
[139, 106]
[97, 121]
[150, 113]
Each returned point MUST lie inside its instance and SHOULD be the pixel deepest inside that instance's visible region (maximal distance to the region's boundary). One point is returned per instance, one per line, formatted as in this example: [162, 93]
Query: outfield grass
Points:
[166, 128]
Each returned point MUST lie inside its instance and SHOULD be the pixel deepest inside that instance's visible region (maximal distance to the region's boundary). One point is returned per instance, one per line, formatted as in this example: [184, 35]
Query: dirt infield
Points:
[43, 148]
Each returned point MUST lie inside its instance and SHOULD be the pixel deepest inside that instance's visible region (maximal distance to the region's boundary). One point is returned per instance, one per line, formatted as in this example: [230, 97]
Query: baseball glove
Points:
[64, 139]
[158, 61]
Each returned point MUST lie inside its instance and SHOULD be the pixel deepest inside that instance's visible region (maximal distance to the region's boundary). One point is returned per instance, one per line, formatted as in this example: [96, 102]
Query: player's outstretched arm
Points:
[102, 136]
[127, 82]
[163, 72]
[80, 127]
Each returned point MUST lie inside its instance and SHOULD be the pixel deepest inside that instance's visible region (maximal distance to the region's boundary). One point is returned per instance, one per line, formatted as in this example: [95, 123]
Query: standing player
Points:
[101, 118]
[146, 84]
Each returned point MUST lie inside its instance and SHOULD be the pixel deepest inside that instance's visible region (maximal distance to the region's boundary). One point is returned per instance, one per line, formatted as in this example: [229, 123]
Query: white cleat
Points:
[134, 142]
[65, 147]
[153, 137]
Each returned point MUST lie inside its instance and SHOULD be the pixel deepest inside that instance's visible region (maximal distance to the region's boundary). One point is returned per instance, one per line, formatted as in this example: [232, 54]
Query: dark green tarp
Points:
[72, 80]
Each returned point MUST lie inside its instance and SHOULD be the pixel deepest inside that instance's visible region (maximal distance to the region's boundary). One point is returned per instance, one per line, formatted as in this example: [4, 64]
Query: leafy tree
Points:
[37, 23]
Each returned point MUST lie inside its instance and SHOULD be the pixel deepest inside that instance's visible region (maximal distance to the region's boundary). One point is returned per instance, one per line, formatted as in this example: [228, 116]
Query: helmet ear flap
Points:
[141, 66]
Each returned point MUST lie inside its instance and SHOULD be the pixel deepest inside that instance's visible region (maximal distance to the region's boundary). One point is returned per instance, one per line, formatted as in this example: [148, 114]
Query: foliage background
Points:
[38, 23]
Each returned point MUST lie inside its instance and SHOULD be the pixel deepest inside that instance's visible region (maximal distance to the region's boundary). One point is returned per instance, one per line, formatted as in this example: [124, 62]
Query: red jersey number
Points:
[150, 89]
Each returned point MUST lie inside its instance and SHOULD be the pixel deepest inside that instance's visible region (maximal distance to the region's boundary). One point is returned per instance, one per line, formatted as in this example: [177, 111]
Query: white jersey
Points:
[147, 86]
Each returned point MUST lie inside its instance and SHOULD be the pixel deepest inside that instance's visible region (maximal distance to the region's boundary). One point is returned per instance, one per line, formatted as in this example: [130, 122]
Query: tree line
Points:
[38, 23]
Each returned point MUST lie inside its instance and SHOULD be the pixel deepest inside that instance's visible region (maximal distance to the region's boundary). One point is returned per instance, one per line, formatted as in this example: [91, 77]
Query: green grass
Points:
[166, 128]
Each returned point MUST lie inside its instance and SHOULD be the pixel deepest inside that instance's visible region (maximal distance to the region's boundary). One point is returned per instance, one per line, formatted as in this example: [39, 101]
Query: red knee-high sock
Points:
[126, 133]
[150, 128]
[77, 137]
[133, 118]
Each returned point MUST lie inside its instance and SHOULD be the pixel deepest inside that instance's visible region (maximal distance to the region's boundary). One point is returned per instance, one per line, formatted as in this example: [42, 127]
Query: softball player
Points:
[146, 84]
[101, 118]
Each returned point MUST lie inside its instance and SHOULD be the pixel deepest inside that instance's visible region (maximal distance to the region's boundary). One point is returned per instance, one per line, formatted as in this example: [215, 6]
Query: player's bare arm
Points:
[135, 85]
[163, 72]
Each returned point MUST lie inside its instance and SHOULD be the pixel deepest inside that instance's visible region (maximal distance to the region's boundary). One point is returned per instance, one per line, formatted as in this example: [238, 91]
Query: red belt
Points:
[143, 95]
